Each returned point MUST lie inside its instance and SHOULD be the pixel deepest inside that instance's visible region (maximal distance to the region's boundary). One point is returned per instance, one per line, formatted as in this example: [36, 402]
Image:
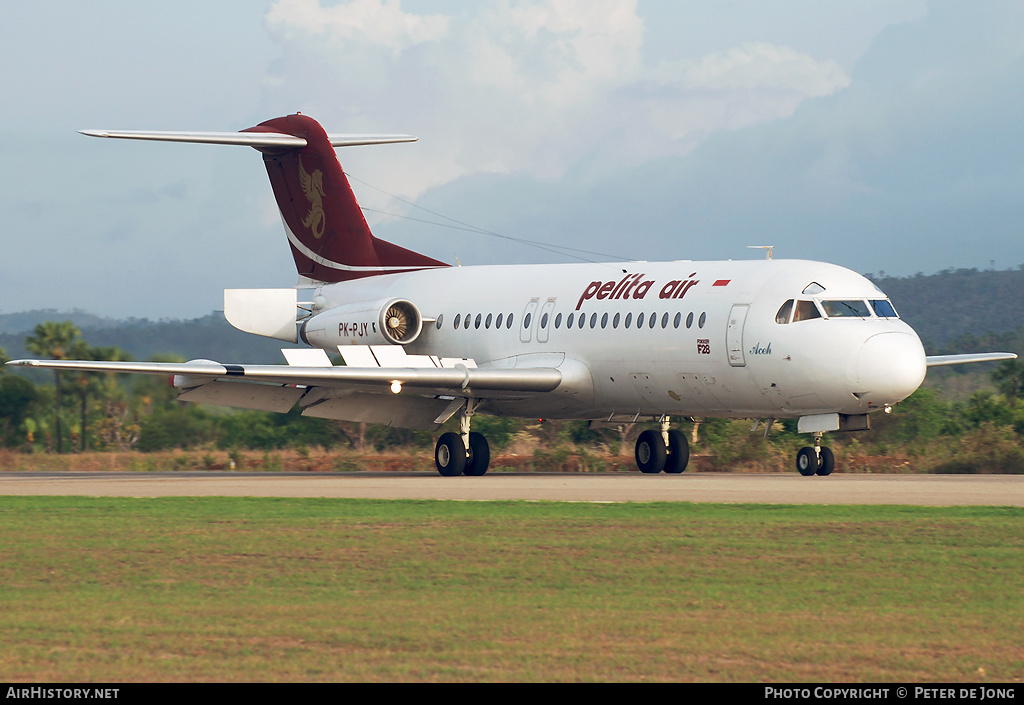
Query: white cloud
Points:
[558, 52]
[759, 65]
[379, 22]
[531, 87]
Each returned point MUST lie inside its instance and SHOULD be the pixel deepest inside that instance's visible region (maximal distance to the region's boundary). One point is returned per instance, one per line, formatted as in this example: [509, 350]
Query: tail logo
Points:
[313, 187]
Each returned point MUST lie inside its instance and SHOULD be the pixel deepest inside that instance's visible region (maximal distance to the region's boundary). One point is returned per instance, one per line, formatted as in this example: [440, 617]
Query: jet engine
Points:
[388, 321]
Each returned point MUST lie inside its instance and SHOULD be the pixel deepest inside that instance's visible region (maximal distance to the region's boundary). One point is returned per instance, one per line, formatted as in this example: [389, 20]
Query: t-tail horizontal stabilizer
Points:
[327, 233]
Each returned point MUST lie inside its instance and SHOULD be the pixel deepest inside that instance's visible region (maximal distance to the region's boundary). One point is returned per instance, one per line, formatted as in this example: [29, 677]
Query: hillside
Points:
[18, 323]
[957, 302]
[210, 337]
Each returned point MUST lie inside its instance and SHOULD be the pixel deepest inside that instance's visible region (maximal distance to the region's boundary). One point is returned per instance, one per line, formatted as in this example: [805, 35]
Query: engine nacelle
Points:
[383, 322]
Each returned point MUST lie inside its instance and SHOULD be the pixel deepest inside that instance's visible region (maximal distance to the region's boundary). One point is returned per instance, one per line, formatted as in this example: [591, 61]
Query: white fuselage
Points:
[678, 338]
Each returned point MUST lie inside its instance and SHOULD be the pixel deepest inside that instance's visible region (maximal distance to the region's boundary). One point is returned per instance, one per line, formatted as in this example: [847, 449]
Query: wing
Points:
[940, 360]
[408, 397]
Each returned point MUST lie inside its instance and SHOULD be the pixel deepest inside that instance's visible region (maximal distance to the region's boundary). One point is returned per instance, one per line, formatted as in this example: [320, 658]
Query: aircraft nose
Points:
[890, 366]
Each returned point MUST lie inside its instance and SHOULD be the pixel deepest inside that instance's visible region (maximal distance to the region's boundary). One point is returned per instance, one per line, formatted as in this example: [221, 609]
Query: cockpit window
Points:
[812, 289]
[849, 308]
[805, 311]
[783, 315]
[883, 308]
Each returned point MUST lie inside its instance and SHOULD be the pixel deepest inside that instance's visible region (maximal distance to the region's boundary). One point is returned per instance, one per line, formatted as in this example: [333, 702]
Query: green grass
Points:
[222, 589]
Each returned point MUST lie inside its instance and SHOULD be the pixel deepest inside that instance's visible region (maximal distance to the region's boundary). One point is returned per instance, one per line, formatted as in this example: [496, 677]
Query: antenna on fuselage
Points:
[767, 248]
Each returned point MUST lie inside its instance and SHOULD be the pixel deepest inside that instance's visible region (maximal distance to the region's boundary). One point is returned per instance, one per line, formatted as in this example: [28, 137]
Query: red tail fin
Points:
[328, 235]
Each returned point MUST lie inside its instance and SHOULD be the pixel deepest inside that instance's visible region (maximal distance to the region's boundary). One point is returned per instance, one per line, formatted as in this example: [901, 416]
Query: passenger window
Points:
[805, 311]
[783, 315]
[583, 319]
[508, 323]
[497, 323]
[639, 320]
[615, 321]
[883, 309]
[558, 320]
[604, 321]
[629, 319]
[479, 318]
[593, 320]
[487, 321]
[440, 320]
[678, 319]
[703, 319]
[689, 320]
[568, 321]
[468, 321]
[458, 319]
[653, 320]
[664, 320]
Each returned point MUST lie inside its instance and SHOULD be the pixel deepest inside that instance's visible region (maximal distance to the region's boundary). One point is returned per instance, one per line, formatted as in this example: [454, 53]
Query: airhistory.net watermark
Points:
[62, 693]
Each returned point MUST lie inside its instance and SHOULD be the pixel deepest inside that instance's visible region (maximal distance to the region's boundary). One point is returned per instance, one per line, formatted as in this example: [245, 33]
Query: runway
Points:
[925, 490]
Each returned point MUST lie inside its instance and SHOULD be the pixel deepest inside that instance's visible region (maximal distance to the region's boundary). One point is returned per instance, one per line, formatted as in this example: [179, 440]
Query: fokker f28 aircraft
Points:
[611, 343]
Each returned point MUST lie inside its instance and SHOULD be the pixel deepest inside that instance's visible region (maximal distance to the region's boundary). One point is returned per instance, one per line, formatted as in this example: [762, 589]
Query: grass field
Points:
[221, 589]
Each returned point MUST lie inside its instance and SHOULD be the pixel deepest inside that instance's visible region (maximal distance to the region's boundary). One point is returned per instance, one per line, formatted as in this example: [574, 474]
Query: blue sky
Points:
[876, 135]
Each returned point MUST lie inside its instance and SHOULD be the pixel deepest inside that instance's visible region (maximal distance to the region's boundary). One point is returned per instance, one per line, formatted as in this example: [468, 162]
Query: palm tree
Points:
[54, 341]
[89, 384]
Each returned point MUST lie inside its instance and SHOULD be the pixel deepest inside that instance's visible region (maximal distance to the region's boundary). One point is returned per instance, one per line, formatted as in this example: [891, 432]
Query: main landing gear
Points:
[666, 450]
[463, 453]
[815, 461]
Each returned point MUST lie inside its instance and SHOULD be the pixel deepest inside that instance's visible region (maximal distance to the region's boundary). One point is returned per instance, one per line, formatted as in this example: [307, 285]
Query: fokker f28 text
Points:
[611, 343]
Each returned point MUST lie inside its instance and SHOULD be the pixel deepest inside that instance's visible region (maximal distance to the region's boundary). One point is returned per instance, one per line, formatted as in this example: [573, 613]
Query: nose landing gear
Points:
[818, 460]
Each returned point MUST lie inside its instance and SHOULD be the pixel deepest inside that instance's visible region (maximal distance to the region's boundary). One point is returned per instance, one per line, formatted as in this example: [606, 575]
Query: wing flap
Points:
[259, 397]
[401, 410]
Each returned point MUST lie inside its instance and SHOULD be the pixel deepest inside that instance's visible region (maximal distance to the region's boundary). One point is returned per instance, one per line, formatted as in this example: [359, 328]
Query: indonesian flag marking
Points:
[722, 282]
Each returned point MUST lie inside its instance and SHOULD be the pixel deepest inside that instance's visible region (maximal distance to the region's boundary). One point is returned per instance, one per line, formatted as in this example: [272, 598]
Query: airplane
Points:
[610, 343]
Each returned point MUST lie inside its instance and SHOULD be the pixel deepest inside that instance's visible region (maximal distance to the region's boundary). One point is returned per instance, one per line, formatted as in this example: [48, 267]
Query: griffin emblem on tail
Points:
[313, 187]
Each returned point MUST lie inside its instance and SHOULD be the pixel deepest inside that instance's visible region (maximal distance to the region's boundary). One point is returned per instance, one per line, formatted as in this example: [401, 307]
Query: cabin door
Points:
[734, 335]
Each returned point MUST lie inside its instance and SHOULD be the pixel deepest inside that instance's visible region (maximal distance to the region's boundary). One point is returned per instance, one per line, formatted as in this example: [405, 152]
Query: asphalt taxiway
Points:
[928, 490]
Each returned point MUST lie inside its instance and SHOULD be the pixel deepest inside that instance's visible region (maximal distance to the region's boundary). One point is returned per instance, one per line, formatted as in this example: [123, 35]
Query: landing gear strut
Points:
[463, 453]
[666, 450]
[815, 461]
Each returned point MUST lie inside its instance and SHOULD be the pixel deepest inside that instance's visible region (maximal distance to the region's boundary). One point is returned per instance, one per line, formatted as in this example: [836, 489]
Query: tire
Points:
[479, 455]
[650, 452]
[450, 455]
[827, 462]
[807, 461]
[678, 452]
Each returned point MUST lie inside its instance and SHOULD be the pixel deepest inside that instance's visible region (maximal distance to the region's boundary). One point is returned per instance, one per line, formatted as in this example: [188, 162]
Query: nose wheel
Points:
[818, 460]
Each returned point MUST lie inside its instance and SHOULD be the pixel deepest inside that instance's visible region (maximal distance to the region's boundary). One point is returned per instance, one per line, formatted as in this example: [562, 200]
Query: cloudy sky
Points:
[881, 136]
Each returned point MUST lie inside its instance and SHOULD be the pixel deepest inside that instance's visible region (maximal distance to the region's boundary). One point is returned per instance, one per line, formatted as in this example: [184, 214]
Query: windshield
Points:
[883, 309]
[853, 307]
